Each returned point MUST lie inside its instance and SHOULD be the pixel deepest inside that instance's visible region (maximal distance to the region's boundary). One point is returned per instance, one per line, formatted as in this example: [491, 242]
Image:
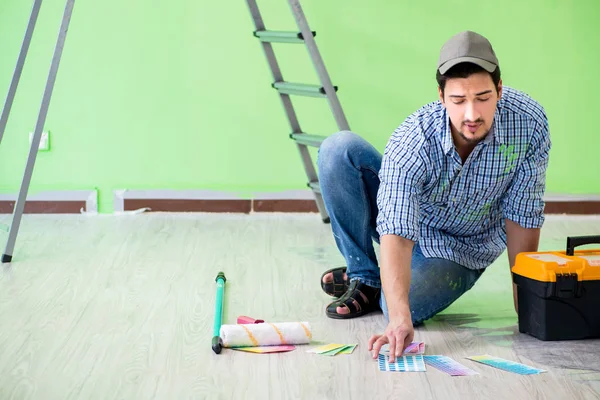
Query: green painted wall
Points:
[177, 94]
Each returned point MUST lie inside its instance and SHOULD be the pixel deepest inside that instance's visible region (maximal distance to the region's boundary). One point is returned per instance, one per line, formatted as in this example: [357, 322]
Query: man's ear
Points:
[499, 89]
[441, 94]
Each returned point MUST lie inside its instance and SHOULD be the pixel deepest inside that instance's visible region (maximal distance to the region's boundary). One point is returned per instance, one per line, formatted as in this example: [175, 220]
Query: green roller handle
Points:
[217, 343]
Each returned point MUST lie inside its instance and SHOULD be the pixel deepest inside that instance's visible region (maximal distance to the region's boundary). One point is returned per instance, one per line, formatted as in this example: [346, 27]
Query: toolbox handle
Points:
[574, 241]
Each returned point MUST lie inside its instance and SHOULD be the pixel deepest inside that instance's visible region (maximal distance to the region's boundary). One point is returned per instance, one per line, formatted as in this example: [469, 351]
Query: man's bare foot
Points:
[328, 278]
[335, 281]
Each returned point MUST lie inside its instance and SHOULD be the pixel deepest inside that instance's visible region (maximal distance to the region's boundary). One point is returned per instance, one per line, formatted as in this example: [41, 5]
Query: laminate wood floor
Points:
[122, 307]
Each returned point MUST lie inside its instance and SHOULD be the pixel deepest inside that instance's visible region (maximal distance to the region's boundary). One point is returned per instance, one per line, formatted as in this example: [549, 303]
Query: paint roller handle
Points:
[217, 343]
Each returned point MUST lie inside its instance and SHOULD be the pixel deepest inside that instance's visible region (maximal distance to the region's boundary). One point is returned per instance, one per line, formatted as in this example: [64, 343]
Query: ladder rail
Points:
[20, 203]
[277, 76]
[274, 66]
[10, 97]
[319, 65]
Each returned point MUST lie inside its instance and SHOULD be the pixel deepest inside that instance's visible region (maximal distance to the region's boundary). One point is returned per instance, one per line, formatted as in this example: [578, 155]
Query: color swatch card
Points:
[506, 365]
[448, 365]
[348, 349]
[333, 349]
[266, 349]
[413, 348]
[412, 363]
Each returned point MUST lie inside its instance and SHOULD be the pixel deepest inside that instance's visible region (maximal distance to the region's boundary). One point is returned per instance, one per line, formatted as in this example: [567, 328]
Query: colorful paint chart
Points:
[266, 349]
[448, 365]
[348, 349]
[414, 363]
[333, 349]
[413, 348]
[506, 365]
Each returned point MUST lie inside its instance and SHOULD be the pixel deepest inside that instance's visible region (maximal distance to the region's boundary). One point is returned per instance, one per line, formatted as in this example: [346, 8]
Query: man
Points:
[461, 180]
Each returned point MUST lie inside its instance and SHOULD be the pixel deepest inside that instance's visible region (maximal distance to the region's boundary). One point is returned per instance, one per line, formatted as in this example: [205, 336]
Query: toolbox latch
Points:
[567, 285]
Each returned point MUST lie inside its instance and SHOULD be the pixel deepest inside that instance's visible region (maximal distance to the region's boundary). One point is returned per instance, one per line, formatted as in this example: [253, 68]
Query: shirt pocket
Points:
[437, 194]
[488, 185]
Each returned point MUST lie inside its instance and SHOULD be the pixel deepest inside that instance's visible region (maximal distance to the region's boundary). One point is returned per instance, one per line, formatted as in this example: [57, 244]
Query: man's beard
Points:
[471, 140]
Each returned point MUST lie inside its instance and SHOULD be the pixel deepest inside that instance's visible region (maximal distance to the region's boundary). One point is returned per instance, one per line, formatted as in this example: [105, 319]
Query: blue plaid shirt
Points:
[456, 211]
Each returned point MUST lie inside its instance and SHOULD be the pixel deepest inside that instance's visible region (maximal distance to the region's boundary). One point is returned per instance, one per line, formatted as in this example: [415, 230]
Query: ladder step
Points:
[315, 186]
[281, 36]
[301, 89]
[308, 139]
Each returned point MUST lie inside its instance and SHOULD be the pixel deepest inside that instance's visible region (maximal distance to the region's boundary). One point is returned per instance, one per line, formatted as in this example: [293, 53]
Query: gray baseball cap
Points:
[467, 46]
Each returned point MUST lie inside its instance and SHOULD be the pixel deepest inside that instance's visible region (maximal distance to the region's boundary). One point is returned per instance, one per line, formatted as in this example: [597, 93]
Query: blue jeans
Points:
[348, 174]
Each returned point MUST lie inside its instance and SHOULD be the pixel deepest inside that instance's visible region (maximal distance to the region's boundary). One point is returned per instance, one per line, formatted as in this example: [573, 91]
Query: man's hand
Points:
[519, 240]
[399, 334]
[396, 257]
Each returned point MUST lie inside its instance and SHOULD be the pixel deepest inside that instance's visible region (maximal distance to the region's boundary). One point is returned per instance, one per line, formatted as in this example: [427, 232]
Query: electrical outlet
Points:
[44, 141]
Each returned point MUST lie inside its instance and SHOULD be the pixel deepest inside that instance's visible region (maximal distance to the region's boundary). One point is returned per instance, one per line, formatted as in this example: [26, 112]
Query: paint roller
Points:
[265, 334]
[254, 333]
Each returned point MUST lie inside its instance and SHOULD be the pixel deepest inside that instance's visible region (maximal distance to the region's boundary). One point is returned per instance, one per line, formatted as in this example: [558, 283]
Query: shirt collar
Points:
[497, 127]
[448, 143]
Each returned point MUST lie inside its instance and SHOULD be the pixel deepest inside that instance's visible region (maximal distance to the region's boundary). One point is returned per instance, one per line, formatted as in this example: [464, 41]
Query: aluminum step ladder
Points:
[39, 127]
[286, 89]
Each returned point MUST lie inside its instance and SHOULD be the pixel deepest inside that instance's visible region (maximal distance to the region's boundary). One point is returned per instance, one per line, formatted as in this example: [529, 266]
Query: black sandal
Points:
[339, 286]
[359, 299]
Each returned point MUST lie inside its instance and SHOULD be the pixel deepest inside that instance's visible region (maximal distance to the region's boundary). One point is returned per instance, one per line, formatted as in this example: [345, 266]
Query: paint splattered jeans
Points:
[348, 173]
